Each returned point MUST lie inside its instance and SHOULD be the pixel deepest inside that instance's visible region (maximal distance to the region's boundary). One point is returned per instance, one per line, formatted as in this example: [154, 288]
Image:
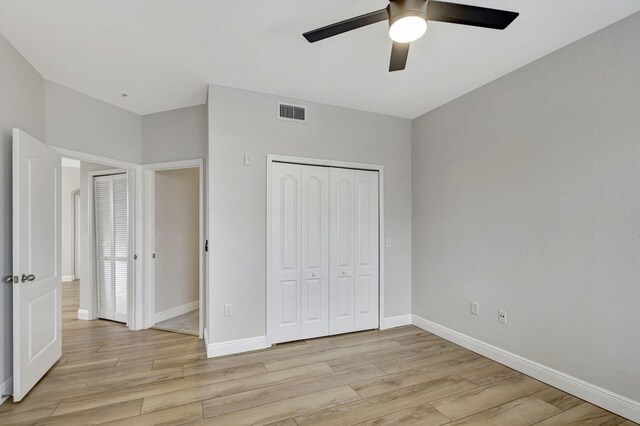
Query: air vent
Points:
[292, 112]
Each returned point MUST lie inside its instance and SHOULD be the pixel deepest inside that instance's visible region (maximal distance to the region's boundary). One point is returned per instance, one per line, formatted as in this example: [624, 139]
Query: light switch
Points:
[388, 242]
[247, 160]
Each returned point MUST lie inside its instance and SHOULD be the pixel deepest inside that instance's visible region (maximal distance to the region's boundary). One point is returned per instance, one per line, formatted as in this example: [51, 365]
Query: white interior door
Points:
[323, 273]
[354, 291]
[283, 283]
[342, 251]
[367, 250]
[37, 262]
[298, 284]
[112, 245]
[314, 294]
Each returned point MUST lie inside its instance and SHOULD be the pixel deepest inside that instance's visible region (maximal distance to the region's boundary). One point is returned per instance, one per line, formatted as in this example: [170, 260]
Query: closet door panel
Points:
[342, 250]
[283, 290]
[120, 244]
[367, 250]
[315, 252]
[112, 236]
[104, 244]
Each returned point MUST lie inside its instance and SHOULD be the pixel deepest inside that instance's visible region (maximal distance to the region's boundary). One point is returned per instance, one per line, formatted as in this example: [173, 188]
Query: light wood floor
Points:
[399, 376]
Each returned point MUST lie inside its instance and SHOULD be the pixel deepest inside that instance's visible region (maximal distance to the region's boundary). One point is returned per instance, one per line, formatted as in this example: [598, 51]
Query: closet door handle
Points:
[313, 275]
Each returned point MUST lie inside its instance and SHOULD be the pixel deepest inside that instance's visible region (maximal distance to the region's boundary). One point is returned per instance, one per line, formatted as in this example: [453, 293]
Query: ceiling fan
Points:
[408, 22]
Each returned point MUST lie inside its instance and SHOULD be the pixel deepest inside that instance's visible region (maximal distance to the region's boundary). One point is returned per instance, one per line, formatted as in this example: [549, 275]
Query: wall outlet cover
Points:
[502, 317]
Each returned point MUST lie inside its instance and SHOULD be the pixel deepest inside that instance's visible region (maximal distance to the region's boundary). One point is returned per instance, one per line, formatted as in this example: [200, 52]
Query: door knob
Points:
[344, 272]
[8, 279]
[313, 275]
[29, 277]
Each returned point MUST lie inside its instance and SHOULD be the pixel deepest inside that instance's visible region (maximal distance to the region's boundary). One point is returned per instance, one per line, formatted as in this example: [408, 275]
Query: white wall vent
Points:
[292, 112]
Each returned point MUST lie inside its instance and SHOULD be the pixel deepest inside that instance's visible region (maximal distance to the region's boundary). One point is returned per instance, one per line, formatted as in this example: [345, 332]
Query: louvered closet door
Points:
[354, 288]
[297, 288]
[112, 237]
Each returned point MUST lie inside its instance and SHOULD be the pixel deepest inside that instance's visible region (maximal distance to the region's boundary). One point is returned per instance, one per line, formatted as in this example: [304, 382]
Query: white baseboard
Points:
[6, 390]
[596, 395]
[83, 314]
[235, 346]
[68, 278]
[397, 321]
[174, 312]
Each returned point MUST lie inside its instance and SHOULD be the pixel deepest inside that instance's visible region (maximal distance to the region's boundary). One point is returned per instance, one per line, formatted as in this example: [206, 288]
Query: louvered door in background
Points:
[112, 240]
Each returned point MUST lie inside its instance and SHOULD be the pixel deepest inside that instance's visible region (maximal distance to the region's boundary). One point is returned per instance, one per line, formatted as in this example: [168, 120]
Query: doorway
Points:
[174, 236]
[95, 269]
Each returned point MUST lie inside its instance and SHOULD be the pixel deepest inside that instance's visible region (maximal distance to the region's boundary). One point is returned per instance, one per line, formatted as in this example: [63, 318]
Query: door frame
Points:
[273, 158]
[149, 171]
[135, 306]
[76, 234]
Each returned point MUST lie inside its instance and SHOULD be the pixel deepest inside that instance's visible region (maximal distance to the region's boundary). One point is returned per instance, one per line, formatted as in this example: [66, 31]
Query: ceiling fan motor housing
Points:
[399, 9]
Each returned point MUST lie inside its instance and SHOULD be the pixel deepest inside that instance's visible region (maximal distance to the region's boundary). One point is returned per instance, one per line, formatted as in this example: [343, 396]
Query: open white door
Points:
[37, 285]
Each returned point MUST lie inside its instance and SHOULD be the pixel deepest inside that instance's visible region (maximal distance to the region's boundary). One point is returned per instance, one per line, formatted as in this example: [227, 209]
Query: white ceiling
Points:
[163, 53]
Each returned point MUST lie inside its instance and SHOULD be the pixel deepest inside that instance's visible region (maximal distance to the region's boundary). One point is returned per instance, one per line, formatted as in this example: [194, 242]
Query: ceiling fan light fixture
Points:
[407, 20]
[408, 29]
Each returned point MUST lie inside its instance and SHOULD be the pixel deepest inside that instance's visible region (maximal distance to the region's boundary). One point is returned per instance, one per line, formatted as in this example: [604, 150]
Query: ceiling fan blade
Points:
[469, 15]
[346, 25]
[399, 54]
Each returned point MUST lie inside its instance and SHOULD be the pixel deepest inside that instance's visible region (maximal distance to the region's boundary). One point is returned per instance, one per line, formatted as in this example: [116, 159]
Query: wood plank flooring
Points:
[403, 376]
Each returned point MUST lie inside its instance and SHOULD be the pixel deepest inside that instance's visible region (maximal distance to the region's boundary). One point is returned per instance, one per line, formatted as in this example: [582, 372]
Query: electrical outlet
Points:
[475, 308]
[502, 317]
[227, 310]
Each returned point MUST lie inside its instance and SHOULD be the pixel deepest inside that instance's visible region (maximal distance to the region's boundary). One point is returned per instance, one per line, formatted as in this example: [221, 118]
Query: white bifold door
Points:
[112, 245]
[354, 250]
[323, 254]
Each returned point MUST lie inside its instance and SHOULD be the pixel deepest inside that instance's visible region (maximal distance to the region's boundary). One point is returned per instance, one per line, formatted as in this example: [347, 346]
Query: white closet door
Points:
[342, 251]
[283, 289]
[315, 252]
[112, 238]
[367, 250]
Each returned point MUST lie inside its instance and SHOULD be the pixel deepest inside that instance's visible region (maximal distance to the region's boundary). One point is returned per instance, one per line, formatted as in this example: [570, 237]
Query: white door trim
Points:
[149, 229]
[136, 305]
[271, 158]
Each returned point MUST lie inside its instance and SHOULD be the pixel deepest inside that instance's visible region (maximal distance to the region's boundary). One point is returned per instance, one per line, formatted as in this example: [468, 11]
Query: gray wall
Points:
[246, 122]
[179, 134]
[82, 123]
[177, 211]
[526, 198]
[21, 105]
